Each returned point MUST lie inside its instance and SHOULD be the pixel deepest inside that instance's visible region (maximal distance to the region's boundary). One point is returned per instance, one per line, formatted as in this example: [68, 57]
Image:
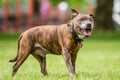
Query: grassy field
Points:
[99, 59]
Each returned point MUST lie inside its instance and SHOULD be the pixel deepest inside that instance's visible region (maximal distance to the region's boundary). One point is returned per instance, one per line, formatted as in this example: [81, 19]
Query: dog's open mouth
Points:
[86, 32]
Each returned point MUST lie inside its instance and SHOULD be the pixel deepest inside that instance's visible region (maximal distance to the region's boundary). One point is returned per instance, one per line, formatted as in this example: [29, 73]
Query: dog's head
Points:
[82, 23]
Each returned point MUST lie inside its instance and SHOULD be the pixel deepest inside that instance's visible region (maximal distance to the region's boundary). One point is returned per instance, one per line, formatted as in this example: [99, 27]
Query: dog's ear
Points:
[74, 13]
[91, 15]
[69, 23]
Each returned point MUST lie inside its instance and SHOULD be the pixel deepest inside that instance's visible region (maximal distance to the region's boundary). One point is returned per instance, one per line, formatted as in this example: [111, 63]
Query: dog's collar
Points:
[74, 34]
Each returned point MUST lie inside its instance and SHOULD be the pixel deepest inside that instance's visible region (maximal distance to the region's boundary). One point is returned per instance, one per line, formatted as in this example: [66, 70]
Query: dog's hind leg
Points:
[19, 62]
[43, 65]
[23, 54]
[40, 55]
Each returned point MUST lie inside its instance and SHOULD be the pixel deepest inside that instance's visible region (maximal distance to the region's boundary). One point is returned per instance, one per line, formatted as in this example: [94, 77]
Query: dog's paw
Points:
[72, 75]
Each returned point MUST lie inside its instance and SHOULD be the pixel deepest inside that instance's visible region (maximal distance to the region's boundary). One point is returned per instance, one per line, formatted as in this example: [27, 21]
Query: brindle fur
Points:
[53, 39]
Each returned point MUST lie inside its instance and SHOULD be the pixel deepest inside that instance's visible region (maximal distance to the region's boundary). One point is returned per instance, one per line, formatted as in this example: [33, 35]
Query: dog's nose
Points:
[88, 25]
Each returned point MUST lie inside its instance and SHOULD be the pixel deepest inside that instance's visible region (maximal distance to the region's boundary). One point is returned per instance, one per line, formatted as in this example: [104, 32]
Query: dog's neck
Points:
[74, 34]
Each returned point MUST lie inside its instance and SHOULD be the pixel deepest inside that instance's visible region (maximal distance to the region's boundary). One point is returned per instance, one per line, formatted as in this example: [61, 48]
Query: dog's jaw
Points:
[84, 32]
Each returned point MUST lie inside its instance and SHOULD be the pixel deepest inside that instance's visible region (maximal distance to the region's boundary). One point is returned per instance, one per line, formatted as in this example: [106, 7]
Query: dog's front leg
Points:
[73, 60]
[67, 58]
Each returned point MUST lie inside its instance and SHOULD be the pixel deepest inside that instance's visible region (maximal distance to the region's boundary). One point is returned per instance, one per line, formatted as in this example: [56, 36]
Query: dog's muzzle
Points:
[87, 31]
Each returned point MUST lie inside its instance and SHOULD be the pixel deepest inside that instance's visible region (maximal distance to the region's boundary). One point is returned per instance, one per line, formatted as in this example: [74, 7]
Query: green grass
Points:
[98, 59]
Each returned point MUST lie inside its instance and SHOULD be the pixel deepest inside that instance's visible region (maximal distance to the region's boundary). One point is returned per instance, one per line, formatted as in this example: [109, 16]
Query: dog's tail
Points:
[15, 59]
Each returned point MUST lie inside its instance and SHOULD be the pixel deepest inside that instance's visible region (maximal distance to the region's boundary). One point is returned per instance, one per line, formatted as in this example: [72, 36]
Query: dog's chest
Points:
[75, 49]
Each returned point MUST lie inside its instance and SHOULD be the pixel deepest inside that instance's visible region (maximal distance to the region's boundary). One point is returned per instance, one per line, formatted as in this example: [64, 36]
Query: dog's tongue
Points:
[87, 33]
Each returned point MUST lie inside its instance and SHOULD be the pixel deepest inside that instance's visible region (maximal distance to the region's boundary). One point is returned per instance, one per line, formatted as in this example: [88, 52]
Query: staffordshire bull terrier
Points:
[64, 39]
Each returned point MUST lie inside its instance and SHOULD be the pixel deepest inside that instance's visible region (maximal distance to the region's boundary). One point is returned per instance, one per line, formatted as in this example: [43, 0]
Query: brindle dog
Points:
[65, 40]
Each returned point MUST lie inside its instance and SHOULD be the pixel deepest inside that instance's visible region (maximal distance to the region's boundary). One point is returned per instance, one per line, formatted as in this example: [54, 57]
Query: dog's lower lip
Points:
[86, 32]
